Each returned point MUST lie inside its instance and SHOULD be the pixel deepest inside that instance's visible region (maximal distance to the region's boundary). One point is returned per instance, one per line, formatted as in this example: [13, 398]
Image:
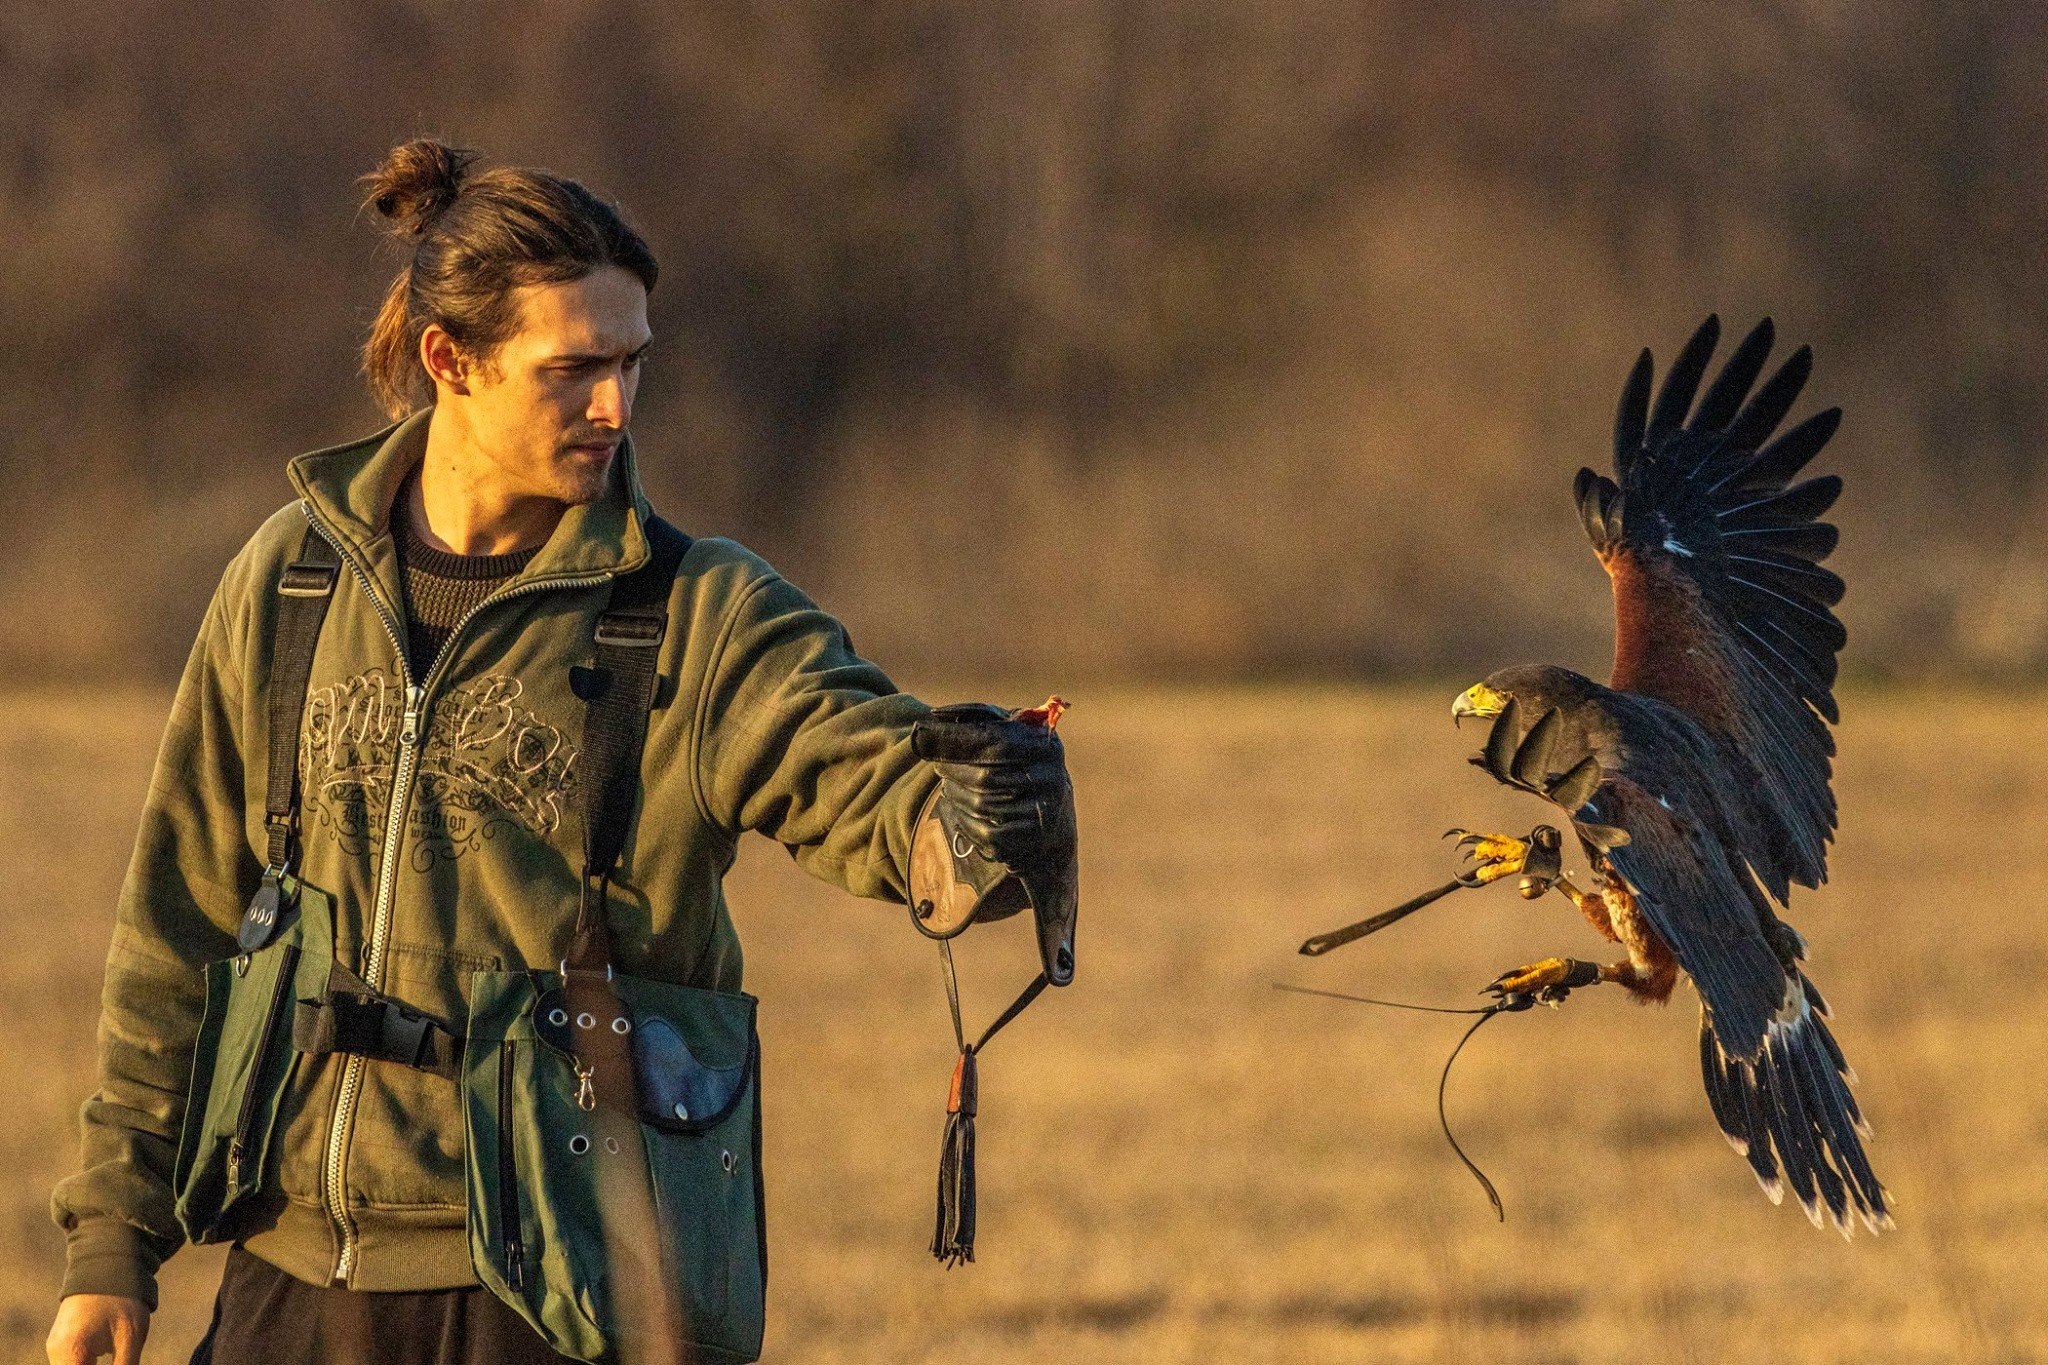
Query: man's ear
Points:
[444, 360]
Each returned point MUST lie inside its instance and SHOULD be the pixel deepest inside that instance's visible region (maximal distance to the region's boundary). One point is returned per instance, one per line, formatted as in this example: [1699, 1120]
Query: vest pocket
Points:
[242, 1062]
[602, 1226]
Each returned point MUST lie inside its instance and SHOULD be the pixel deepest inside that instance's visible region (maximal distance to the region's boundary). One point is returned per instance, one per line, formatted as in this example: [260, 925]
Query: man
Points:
[438, 767]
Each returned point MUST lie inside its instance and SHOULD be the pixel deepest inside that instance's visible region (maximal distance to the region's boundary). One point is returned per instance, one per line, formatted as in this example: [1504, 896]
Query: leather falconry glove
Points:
[998, 832]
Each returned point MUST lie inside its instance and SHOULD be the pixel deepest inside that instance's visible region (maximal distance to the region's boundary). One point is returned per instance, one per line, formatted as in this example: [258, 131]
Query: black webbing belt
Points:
[619, 690]
[304, 590]
[351, 1017]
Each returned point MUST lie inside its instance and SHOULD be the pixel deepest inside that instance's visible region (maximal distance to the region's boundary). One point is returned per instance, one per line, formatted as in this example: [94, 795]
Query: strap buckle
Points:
[307, 580]
[590, 921]
[630, 629]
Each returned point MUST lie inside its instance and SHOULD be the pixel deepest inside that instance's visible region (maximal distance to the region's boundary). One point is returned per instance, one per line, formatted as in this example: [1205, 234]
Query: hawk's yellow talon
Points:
[1494, 856]
[1552, 971]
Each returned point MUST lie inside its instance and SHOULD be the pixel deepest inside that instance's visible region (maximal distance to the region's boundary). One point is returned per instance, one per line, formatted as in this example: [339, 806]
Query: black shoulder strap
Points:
[620, 692]
[304, 589]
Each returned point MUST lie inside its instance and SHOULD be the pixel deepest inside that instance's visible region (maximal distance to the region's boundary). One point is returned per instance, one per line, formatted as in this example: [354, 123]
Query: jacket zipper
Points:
[245, 1120]
[387, 868]
[508, 1175]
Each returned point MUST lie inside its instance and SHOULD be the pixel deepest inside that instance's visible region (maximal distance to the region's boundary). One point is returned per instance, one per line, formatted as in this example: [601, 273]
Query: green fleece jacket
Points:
[467, 856]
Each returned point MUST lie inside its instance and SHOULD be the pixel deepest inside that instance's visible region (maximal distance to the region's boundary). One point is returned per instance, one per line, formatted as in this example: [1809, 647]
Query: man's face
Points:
[552, 403]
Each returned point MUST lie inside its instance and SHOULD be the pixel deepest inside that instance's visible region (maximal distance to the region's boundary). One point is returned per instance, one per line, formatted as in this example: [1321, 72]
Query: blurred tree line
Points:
[1065, 340]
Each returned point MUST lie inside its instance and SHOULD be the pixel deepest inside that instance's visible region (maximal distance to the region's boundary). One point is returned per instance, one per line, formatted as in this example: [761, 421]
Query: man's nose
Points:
[609, 403]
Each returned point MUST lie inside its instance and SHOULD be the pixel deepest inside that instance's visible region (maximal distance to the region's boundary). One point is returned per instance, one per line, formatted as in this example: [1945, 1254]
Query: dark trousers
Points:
[263, 1316]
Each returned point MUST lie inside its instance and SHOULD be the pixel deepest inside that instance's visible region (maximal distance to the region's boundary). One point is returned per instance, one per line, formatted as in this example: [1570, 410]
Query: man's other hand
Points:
[90, 1326]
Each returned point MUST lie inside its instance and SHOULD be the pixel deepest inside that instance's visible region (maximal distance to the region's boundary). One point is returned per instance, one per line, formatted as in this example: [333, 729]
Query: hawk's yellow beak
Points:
[1477, 700]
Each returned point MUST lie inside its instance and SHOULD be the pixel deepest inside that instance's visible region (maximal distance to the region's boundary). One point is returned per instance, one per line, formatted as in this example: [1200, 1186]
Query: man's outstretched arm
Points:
[804, 741]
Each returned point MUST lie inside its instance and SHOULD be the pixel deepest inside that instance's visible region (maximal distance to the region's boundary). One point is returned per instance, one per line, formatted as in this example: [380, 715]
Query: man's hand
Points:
[89, 1326]
[1015, 800]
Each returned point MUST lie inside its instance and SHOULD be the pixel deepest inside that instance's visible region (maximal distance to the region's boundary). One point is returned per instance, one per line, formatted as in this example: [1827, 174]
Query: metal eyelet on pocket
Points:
[558, 1016]
[622, 1025]
[579, 1145]
[586, 1020]
[728, 1161]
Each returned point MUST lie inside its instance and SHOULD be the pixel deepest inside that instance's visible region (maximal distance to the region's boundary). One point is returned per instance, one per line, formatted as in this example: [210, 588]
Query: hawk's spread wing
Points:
[1721, 607]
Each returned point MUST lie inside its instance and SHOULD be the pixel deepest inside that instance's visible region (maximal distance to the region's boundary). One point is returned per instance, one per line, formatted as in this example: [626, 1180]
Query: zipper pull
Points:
[409, 732]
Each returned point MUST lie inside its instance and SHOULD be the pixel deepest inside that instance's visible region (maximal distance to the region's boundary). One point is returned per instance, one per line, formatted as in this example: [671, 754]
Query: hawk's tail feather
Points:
[1789, 1112]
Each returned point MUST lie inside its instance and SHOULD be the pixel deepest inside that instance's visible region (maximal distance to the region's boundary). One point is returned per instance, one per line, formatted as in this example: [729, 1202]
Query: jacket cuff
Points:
[107, 1256]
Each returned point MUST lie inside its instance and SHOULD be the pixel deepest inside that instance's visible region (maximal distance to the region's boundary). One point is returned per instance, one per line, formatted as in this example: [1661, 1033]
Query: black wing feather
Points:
[1632, 417]
[1725, 394]
[1730, 619]
[1754, 424]
[1777, 462]
[1674, 399]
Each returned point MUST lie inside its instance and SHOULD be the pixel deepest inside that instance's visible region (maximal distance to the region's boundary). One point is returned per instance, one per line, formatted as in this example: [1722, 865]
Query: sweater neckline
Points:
[418, 554]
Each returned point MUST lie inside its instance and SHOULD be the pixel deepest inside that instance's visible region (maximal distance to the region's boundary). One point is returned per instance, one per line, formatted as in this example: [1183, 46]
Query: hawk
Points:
[1698, 778]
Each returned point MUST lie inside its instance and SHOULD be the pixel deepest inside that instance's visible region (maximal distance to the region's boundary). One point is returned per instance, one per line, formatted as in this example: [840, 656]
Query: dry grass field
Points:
[1180, 1164]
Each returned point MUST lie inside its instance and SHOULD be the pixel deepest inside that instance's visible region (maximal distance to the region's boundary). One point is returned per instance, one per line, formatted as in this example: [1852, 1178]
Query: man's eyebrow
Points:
[595, 357]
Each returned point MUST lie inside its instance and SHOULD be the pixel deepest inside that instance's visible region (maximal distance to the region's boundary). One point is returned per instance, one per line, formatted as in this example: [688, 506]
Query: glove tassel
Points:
[953, 1238]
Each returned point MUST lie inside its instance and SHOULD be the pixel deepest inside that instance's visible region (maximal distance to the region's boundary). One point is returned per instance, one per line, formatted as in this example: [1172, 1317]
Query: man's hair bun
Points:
[416, 183]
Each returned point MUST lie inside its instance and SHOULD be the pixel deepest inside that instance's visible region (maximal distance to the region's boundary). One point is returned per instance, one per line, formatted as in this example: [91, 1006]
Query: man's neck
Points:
[460, 504]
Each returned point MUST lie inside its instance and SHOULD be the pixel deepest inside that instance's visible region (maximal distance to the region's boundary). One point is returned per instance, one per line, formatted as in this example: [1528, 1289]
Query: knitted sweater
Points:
[440, 587]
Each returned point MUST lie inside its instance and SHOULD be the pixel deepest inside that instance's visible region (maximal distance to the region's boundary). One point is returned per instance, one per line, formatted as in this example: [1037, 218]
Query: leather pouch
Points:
[243, 1061]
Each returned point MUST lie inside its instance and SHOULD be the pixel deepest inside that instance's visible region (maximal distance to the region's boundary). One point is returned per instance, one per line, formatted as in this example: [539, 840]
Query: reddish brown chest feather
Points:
[1653, 969]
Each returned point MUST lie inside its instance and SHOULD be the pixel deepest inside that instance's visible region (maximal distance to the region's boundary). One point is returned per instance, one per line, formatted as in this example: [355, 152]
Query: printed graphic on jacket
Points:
[486, 763]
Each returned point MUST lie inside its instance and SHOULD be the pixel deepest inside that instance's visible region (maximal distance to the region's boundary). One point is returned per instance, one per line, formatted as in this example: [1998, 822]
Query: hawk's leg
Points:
[1649, 974]
[1651, 971]
[1593, 905]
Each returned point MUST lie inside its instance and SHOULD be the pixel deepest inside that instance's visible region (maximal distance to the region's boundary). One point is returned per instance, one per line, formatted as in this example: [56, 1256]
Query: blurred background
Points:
[1141, 339]
[1224, 366]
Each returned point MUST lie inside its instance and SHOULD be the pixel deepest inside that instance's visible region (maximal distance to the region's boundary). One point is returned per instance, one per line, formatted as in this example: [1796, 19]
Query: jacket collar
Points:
[351, 488]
